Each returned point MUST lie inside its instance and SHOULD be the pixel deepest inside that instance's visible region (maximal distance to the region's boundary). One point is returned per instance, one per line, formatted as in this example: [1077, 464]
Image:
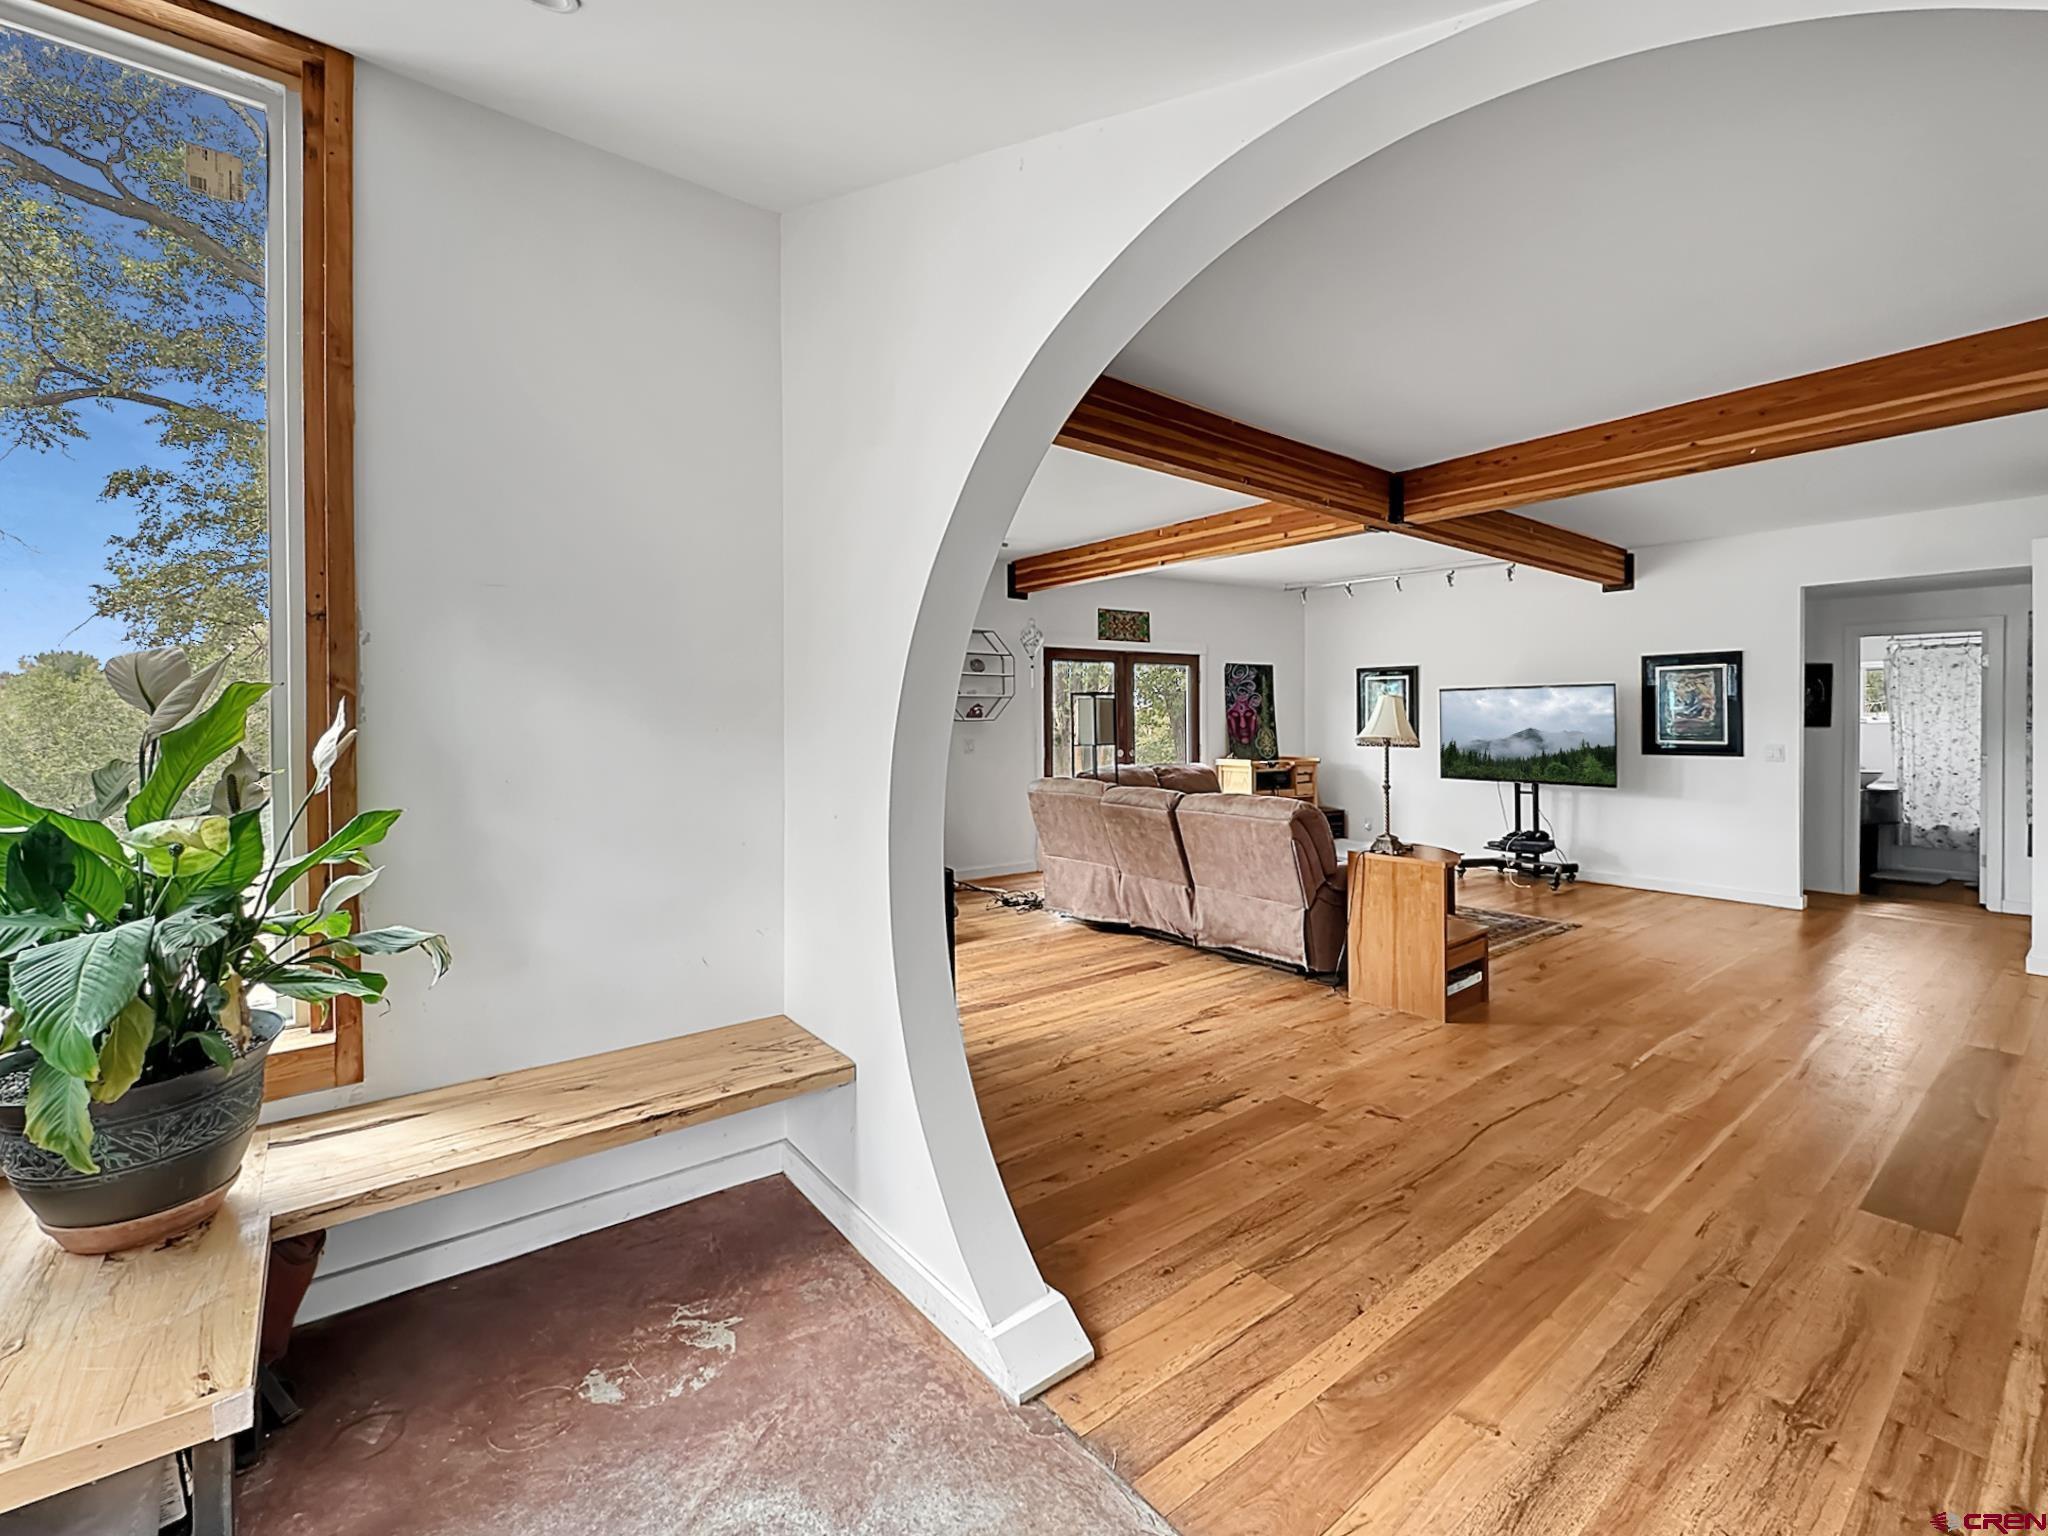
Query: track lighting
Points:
[1450, 578]
[1397, 584]
[1511, 573]
[1347, 589]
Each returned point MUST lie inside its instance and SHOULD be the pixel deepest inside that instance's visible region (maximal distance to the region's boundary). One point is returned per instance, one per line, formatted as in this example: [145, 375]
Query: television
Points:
[1560, 734]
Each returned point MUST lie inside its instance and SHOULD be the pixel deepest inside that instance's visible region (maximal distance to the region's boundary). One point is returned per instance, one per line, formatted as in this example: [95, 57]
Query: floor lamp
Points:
[1387, 729]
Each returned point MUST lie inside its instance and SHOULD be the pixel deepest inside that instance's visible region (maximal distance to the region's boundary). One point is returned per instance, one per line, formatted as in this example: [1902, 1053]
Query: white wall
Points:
[1724, 827]
[988, 822]
[935, 332]
[1831, 619]
[568, 474]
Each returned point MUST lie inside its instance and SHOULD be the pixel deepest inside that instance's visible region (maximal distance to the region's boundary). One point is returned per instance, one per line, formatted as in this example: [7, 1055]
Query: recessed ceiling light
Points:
[560, 7]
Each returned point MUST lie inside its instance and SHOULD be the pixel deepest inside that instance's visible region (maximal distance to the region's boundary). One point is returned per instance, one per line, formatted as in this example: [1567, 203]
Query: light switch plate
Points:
[1774, 752]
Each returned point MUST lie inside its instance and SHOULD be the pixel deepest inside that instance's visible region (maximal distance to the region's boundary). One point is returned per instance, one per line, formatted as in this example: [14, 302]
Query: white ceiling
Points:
[783, 102]
[1640, 234]
[1076, 498]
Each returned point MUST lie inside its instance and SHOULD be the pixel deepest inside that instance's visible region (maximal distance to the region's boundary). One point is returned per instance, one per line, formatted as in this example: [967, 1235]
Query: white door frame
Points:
[1991, 836]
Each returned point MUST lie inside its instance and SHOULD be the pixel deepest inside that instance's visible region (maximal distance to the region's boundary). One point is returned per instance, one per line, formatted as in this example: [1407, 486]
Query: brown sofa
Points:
[1253, 873]
[1187, 778]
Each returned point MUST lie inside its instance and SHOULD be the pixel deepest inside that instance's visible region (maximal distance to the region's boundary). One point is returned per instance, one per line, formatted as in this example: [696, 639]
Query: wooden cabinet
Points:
[1291, 776]
[1407, 946]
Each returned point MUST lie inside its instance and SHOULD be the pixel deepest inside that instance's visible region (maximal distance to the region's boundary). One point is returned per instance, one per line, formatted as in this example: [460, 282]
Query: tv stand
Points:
[1525, 850]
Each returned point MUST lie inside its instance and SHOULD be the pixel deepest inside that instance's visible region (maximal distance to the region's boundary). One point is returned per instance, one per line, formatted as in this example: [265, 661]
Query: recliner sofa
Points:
[1257, 874]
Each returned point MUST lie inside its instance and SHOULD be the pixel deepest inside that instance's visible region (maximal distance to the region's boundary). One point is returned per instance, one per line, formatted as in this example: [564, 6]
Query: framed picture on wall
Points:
[1692, 704]
[1403, 682]
[1249, 726]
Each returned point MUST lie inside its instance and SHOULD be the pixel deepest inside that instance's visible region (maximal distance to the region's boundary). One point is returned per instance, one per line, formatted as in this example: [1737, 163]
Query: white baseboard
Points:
[343, 1290]
[2037, 962]
[996, 871]
[1794, 901]
[1022, 1354]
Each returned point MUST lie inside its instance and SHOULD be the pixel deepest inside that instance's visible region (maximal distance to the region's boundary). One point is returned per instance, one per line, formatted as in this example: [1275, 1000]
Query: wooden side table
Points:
[1406, 941]
[1291, 776]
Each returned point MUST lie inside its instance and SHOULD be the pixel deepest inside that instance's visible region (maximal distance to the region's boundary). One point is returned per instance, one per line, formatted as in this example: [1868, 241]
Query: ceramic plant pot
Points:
[167, 1153]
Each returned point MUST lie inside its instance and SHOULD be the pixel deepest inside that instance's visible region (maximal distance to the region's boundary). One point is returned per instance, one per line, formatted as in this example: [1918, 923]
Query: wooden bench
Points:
[108, 1363]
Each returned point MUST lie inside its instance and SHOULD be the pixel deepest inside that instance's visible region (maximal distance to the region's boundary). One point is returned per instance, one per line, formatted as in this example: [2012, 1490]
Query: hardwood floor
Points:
[1720, 1219]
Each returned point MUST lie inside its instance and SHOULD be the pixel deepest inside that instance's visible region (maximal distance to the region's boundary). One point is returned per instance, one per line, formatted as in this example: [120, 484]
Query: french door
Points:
[1148, 708]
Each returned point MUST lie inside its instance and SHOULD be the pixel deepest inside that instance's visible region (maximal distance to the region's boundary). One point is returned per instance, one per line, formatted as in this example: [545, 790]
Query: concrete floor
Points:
[727, 1368]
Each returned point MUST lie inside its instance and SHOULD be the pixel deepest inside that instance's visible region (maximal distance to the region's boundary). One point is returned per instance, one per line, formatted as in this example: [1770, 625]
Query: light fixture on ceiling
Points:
[560, 7]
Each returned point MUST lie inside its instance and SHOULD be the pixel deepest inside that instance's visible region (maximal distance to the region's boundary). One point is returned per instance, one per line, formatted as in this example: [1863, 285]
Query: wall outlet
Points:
[1774, 752]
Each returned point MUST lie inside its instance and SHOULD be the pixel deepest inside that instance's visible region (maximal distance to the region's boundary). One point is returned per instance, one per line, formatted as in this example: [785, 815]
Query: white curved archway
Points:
[936, 333]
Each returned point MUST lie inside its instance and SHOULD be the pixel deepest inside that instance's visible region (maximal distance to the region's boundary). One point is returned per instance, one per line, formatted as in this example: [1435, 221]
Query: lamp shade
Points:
[1389, 726]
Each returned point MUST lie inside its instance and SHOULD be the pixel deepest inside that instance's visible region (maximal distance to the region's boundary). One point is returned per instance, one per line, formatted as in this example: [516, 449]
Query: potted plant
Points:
[135, 954]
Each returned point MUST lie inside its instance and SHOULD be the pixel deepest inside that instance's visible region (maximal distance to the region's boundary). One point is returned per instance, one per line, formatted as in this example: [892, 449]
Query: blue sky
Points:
[56, 530]
[54, 526]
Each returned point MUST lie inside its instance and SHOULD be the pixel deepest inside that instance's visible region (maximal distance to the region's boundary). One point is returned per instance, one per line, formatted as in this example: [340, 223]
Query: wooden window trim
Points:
[331, 1055]
[1120, 662]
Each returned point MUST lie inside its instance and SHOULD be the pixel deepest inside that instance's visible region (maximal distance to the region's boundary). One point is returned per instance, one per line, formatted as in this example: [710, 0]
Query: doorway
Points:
[1156, 707]
[1925, 761]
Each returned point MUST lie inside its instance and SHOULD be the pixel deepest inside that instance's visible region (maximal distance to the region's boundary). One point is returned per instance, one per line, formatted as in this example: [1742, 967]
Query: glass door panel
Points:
[1162, 711]
[1156, 699]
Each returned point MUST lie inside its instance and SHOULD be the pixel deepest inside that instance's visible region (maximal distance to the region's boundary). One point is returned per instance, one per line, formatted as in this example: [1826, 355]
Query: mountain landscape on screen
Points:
[1536, 735]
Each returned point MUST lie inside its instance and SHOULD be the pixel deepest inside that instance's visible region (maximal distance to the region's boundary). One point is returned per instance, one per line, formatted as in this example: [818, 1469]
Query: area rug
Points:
[1512, 930]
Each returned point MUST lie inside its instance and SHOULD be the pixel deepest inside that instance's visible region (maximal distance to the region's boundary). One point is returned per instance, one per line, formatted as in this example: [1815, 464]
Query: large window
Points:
[1154, 713]
[174, 420]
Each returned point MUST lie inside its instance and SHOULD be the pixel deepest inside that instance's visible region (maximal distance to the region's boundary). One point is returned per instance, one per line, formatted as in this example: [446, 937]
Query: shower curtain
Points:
[1935, 691]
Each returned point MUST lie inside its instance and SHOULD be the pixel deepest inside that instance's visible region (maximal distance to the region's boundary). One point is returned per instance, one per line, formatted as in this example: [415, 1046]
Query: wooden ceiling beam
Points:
[1973, 378]
[1246, 531]
[1139, 426]
[1273, 525]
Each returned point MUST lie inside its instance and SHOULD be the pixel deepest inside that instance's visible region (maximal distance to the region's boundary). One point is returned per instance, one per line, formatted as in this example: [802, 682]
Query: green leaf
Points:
[101, 888]
[335, 925]
[67, 991]
[362, 832]
[317, 986]
[111, 783]
[216, 1047]
[344, 889]
[184, 846]
[41, 868]
[183, 934]
[59, 1117]
[397, 940]
[244, 860]
[122, 1051]
[18, 812]
[18, 930]
[183, 754]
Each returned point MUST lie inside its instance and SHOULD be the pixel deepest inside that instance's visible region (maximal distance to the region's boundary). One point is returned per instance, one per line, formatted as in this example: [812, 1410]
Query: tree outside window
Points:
[134, 442]
[1874, 706]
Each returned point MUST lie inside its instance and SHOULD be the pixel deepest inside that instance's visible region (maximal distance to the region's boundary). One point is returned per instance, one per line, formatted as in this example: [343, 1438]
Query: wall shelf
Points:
[988, 678]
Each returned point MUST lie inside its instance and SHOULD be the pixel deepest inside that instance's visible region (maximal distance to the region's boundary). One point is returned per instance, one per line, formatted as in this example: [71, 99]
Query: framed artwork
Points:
[1249, 726]
[1130, 625]
[1406, 682]
[1820, 695]
[1692, 704]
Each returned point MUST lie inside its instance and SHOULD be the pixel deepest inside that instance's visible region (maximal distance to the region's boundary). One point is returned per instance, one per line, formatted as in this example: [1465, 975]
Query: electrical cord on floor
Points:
[1019, 901]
